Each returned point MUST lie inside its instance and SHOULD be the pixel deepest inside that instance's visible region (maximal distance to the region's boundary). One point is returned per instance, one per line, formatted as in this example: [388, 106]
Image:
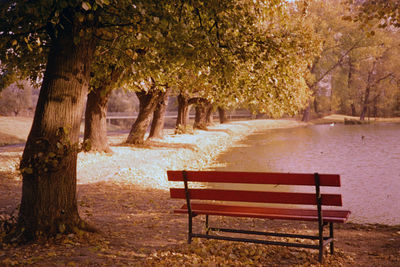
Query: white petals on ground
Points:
[146, 165]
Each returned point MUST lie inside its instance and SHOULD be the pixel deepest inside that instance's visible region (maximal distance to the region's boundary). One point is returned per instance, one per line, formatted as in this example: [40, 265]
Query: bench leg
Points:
[331, 236]
[190, 228]
[321, 241]
[207, 228]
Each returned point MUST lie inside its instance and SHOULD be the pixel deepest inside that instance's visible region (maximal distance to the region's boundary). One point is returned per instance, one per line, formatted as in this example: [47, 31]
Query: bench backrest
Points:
[294, 179]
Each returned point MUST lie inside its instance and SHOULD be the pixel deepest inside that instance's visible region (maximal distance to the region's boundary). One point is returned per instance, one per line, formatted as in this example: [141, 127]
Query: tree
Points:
[16, 99]
[157, 124]
[148, 97]
[95, 134]
[65, 32]
[381, 13]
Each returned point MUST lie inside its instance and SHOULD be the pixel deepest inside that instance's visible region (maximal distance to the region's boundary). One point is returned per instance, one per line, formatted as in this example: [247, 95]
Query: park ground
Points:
[125, 195]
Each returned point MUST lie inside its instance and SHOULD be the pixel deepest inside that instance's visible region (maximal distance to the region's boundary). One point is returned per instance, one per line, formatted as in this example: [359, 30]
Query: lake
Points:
[366, 156]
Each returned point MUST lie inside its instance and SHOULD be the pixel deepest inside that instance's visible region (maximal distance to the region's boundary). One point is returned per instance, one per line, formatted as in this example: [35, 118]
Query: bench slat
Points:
[255, 178]
[257, 196]
[338, 216]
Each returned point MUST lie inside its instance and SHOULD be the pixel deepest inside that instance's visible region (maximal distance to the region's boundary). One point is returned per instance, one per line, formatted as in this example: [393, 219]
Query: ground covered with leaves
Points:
[124, 194]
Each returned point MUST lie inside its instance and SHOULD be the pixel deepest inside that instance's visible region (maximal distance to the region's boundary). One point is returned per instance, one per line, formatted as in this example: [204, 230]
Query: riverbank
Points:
[338, 118]
[124, 195]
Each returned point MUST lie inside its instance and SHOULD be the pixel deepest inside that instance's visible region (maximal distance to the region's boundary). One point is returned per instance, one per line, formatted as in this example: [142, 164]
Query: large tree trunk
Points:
[49, 161]
[95, 135]
[147, 104]
[183, 111]
[222, 115]
[157, 125]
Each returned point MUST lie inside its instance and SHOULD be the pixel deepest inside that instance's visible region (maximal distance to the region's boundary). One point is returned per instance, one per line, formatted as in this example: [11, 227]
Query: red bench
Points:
[209, 201]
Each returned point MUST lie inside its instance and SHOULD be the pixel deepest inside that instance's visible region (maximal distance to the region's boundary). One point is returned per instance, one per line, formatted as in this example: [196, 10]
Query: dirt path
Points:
[124, 195]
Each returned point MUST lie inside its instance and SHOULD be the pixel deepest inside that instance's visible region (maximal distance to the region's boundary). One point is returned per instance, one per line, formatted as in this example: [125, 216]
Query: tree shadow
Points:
[150, 144]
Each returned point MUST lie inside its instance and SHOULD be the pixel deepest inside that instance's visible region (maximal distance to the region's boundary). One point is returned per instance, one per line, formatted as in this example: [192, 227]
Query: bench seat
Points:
[333, 216]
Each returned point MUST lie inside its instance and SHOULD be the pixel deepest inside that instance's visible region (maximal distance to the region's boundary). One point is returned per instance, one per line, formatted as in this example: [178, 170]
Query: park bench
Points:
[202, 198]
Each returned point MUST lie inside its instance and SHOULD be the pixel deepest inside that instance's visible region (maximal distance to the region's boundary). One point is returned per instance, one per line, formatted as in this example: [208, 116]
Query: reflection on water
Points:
[366, 156]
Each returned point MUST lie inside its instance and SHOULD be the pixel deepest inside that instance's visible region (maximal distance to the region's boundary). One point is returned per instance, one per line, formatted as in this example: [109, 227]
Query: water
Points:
[366, 156]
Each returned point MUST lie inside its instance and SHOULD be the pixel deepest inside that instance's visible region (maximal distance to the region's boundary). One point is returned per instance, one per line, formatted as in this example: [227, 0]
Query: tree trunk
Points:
[375, 110]
[365, 104]
[316, 110]
[200, 119]
[222, 115]
[306, 112]
[95, 135]
[183, 111]
[209, 114]
[353, 109]
[157, 125]
[147, 104]
[48, 165]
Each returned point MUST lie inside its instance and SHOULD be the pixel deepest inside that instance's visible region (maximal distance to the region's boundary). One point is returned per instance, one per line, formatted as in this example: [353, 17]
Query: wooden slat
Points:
[255, 177]
[340, 216]
[257, 196]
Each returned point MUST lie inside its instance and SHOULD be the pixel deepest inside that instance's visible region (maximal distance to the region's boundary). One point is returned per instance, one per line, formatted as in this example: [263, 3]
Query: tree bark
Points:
[315, 102]
[306, 112]
[350, 83]
[375, 110]
[95, 135]
[222, 115]
[365, 103]
[353, 109]
[48, 165]
[183, 111]
[200, 119]
[209, 114]
[367, 91]
[157, 125]
[147, 104]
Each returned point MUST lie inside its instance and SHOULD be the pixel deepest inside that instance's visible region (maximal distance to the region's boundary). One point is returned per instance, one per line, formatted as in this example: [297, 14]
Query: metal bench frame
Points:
[322, 240]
